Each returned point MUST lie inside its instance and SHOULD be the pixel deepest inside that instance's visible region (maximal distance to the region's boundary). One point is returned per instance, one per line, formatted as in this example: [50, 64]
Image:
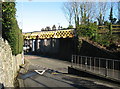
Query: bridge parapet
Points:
[50, 34]
[104, 67]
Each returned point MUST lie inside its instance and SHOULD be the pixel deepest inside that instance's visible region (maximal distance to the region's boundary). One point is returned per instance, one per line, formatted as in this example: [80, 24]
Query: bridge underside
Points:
[59, 48]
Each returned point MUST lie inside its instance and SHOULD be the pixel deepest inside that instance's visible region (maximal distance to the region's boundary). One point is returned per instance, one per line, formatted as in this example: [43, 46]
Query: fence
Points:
[102, 66]
[112, 28]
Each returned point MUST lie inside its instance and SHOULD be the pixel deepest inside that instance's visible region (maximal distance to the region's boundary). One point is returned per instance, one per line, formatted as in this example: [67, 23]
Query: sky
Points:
[33, 16]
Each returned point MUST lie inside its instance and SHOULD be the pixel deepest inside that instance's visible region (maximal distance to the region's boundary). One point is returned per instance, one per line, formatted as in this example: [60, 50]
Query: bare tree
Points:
[83, 12]
[68, 11]
[76, 11]
[119, 10]
[72, 11]
[87, 12]
[101, 9]
[80, 12]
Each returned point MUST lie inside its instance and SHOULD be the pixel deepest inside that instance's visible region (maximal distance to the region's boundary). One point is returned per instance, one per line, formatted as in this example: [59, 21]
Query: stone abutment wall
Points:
[9, 64]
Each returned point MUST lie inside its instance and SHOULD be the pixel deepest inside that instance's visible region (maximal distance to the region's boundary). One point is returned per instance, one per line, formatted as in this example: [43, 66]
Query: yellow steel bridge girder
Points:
[50, 34]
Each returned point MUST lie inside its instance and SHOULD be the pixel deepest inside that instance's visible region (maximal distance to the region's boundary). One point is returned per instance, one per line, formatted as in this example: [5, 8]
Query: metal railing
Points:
[102, 66]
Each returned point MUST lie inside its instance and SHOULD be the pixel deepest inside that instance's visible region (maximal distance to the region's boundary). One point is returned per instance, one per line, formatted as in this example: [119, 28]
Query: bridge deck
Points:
[50, 34]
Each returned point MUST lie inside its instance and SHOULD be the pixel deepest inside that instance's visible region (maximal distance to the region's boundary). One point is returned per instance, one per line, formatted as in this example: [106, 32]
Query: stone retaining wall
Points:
[9, 64]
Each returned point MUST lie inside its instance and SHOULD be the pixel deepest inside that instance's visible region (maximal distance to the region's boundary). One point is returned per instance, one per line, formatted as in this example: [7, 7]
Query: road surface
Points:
[55, 75]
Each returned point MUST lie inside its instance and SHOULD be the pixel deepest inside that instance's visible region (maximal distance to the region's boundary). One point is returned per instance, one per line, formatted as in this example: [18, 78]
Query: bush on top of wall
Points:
[10, 28]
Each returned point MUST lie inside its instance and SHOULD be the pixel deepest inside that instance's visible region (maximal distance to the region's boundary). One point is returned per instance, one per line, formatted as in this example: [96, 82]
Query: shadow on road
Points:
[75, 83]
[47, 56]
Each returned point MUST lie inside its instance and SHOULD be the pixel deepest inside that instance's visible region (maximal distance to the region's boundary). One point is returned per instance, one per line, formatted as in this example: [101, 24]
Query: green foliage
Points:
[10, 29]
[113, 20]
[89, 30]
[20, 42]
[106, 23]
[111, 14]
[107, 39]
[70, 26]
[100, 19]
[103, 39]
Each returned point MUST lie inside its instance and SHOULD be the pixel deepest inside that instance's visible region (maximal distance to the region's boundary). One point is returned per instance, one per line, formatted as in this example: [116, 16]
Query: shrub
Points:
[89, 30]
[70, 26]
[10, 29]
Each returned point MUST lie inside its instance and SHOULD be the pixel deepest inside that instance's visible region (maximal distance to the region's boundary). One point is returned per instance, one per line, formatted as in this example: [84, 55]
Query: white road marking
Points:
[40, 71]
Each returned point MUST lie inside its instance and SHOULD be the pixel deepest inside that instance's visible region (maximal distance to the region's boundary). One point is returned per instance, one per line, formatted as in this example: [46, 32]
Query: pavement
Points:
[55, 75]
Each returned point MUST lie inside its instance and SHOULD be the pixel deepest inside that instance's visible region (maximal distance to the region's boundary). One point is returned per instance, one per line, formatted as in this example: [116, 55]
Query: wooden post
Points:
[110, 29]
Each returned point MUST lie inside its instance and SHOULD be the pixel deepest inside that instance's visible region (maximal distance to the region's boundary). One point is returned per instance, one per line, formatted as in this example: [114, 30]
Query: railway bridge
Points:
[58, 43]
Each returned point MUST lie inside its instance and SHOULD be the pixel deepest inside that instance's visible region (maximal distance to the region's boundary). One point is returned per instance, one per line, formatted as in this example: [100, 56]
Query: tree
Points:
[68, 11]
[47, 28]
[112, 20]
[115, 10]
[87, 11]
[80, 12]
[10, 28]
[70, 26]
[119, 11]
[101, 10]
[53, 27]
[59, 27]
[76, 11]
[42, 29]
[71, 11]
[100, 19]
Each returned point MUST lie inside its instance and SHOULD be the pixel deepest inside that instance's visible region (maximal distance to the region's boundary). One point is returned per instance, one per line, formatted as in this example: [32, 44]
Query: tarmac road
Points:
[55, 76]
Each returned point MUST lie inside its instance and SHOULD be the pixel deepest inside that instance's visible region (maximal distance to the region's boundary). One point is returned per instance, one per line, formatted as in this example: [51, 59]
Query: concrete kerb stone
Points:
[23, 70]
[24, 67]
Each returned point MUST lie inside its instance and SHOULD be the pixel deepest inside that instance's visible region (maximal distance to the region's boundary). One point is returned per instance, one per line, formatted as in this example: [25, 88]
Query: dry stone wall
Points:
[9, 64]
